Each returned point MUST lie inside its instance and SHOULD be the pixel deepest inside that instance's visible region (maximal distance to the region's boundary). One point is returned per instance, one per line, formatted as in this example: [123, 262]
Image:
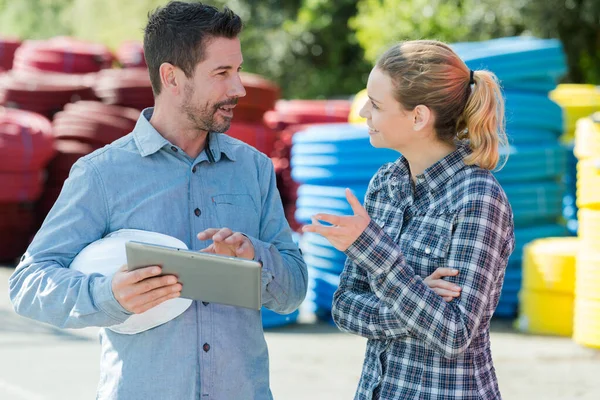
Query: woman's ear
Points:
[421, 117]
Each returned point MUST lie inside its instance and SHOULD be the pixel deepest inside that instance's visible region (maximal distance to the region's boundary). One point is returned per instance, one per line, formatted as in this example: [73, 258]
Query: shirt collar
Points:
[437, 174]
[149, 140]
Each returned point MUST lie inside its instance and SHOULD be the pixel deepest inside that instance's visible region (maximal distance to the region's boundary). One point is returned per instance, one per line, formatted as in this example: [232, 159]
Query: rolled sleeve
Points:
[105, 299]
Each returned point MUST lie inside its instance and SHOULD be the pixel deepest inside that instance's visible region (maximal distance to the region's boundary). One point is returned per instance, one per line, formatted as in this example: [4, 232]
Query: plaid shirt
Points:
[421, 347]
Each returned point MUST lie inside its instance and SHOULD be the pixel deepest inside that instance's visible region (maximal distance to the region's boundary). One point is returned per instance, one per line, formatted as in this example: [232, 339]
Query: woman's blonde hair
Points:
[430, 73]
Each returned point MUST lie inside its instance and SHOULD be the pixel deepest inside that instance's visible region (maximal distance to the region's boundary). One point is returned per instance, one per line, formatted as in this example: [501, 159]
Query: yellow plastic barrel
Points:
[589, 231]
[547, 292]
[549, 264]
[357, 104]
[586, 325]
[588, 183]
[587, 280]
[578, 101]
[587, 137]
[545, 313]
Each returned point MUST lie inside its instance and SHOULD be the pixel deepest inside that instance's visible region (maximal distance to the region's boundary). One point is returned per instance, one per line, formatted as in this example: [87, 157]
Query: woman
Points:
[437, 206]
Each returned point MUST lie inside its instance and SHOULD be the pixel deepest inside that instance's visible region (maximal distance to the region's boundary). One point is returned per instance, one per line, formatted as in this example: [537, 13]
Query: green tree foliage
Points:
[304, 45]
[33, 19]
[379, 23]
[577, 24]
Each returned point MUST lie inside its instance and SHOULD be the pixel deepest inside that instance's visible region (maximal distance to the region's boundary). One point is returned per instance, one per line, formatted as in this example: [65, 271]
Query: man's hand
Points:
[448, 291]
[227, 243]
[140, 290]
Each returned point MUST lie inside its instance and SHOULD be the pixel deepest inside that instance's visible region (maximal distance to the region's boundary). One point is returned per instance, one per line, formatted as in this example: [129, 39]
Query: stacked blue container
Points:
[271, 319]
[528, 68]
[325, 160]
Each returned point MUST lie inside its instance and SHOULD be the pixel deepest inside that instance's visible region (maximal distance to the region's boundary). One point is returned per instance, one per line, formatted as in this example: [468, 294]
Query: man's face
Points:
[211, 94]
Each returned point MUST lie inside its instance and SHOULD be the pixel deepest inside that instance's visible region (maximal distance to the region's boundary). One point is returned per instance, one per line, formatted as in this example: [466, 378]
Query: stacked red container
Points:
[7, 53]
[129, 87]
[131, 54]
[26, 146]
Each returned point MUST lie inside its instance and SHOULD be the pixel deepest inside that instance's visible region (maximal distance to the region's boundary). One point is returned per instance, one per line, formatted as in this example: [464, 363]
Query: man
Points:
[173, 175]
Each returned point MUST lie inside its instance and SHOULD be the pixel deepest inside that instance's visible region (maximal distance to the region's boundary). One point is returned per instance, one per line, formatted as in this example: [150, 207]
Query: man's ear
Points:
[169, 78]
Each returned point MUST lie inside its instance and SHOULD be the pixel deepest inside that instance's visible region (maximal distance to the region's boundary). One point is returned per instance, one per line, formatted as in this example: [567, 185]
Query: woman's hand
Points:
[345, 229]
[448, 291]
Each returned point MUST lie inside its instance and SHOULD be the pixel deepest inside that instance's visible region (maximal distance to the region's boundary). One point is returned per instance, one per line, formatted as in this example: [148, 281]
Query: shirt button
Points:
[206, 347]
[194, 170]
[174, 149]
[197, 212]
[427, 250]
[205, 303]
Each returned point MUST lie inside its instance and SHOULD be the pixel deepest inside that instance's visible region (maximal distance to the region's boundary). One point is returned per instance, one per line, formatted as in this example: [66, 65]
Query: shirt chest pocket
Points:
[238, 213]
[427, 250]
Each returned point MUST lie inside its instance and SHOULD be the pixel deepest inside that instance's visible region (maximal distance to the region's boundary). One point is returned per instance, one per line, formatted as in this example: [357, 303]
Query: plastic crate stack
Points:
[8, 46]
[529, 69]
[325, 160]
[47, 74]
[586, 328]
[289, 117]
[577, 101]
[26, 146]
[130, 54]
[548, 290]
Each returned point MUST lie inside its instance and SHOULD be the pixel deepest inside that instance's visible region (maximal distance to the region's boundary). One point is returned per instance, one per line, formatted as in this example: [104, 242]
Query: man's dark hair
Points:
[178, 33]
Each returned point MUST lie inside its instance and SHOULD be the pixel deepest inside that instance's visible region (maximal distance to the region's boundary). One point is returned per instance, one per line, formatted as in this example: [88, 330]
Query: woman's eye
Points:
[374, 105]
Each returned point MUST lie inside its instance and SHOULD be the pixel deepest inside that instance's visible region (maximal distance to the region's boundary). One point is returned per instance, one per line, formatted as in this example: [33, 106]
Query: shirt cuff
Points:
[374, 250]
[262, 255]
[105, 300]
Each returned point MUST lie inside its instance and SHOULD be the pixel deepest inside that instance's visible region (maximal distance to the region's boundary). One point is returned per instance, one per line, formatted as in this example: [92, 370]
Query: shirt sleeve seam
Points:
[104, 194]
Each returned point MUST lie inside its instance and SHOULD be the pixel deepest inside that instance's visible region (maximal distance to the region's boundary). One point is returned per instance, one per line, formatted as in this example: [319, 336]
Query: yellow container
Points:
[545, 313]
[586, 323]
[589, 230]
[587, 137]
[587, 280]
[578, 101]
[357, 104]
[588, 183]
[549, 265]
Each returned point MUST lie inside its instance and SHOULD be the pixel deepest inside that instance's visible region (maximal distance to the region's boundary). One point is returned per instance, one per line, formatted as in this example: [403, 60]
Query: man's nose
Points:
[237, 89]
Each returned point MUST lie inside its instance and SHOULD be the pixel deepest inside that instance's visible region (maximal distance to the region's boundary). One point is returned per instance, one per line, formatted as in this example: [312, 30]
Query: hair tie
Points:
[472, 79]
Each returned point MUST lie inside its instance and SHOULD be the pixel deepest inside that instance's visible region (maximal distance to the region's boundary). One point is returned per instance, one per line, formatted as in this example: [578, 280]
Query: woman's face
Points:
[390, 126]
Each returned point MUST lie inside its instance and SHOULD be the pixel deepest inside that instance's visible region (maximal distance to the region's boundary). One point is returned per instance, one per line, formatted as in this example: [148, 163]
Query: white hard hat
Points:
[107, 255]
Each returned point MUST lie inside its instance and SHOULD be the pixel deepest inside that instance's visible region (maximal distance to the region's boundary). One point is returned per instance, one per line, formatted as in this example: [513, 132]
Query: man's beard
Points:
[205, 118]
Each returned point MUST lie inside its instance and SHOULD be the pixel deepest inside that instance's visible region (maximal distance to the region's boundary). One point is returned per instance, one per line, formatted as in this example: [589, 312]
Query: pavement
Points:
[310, 360]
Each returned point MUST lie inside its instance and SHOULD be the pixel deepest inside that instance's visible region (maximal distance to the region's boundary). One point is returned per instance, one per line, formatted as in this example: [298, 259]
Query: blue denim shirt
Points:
[142, 181]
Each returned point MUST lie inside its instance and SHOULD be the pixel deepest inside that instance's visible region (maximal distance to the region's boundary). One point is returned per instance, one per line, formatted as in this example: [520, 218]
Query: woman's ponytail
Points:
[483, 118]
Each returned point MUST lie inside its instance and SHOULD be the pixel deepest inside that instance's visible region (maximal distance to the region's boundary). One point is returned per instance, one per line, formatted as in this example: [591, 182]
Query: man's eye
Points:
[222, 73]
[374, 106]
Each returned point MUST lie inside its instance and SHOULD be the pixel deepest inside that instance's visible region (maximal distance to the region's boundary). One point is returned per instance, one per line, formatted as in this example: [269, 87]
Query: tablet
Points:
[205, 277]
